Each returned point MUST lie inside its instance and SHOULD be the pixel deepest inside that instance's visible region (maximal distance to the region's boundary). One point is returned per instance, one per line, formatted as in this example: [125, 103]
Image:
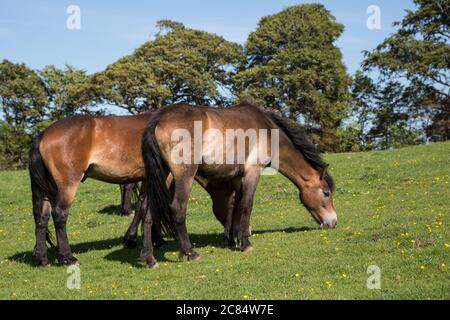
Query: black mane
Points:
[309, 151]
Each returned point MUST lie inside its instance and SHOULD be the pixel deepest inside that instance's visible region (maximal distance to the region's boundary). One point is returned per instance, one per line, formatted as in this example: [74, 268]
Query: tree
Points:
[363, 92]
[383, 114]
[14, 144]
[179, 65]
[130, 84]
[22, 95]
[22, 101]
[293, 66]
[419, 52]
[392, 120]
[69, 91]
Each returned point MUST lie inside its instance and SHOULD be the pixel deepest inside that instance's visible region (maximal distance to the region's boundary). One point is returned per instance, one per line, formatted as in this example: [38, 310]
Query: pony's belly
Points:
[220, 171]
[115, 173]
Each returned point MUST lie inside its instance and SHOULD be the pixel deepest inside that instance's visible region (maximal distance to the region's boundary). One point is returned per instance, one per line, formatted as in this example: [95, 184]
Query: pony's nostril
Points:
[330, 221]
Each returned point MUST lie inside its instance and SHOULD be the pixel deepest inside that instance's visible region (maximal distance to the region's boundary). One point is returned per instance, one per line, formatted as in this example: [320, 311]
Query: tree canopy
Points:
[294, 66]
[23, 96]
[68, 90]
[179, 65]
[290, 63]
[419, 52]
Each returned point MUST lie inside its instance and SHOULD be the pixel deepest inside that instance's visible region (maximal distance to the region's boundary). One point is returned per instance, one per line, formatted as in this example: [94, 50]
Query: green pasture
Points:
[393, 209]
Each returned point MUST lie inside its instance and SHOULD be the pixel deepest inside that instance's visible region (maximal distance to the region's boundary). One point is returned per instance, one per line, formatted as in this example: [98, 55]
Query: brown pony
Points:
[170, 146]
[106, 148]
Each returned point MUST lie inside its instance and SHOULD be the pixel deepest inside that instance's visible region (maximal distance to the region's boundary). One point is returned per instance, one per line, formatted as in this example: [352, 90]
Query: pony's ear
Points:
[324, 171]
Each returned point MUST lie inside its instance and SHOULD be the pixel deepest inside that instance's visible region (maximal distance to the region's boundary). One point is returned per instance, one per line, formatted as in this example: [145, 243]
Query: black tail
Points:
[42, 183]
[156, 170]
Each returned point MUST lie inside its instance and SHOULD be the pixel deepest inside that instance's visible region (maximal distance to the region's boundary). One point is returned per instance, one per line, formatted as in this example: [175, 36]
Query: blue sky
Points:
[34, 32]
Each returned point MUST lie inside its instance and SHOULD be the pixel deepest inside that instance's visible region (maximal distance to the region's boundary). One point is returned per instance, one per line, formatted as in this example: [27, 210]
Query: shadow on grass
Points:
[286, 230]
[111, 209]
[130, 255]
[116, 210]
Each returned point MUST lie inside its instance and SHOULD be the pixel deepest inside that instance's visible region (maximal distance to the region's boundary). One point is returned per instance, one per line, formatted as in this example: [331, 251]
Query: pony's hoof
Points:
[68, 261]
[231, 244]
[191, 256]
[40, 261]
[247, 249]
[154, 265]
[194, 256]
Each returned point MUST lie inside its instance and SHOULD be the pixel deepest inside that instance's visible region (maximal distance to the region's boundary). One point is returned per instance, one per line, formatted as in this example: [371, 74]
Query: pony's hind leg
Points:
[147, 249]
[183, 188]
[60, 215]
[41, 212]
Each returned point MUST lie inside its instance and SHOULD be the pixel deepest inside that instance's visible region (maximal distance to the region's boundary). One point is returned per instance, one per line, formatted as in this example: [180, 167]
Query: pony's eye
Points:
[326, 193]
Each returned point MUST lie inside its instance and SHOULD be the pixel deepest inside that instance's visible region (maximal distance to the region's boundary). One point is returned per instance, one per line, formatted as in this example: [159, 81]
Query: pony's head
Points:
[315, 184]
[316, 196]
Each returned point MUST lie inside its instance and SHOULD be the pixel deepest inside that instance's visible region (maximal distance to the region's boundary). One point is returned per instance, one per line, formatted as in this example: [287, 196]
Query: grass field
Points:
[393, 209]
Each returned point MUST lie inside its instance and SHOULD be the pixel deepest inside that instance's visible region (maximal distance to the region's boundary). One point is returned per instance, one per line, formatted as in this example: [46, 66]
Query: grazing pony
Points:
[106, 148]
[227, 145]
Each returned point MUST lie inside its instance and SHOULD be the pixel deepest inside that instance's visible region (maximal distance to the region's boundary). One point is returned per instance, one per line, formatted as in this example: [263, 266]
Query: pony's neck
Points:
[293, 166]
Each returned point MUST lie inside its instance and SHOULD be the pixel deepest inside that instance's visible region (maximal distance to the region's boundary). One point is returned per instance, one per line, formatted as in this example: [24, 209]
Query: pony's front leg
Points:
[126, 191]
[179, 207]
[130, 238]
[147, 250]
[223, 195]
[251, 179]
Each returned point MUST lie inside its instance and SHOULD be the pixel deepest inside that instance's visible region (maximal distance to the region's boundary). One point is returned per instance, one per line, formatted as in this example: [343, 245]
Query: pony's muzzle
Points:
[329, 221]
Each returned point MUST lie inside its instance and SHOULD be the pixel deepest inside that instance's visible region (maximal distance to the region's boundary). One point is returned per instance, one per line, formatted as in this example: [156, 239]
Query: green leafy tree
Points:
[363, 92]
[179, 65]
[22, 103]
[383, 115]
[22, 95]
[69, 91]
[130, 84]
[294, 66]
[14, 144]
[392, 125]
[420, 53]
